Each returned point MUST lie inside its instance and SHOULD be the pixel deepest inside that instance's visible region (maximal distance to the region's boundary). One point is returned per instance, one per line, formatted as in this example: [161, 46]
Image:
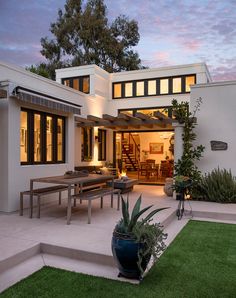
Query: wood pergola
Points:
[126, 121]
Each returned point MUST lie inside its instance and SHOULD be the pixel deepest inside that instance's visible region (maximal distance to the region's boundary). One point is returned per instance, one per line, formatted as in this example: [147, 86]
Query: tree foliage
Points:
[82, 35]
[43, 69]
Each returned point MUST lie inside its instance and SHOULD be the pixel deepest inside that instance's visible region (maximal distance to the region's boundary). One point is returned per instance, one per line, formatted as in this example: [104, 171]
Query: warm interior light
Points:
[123, 173]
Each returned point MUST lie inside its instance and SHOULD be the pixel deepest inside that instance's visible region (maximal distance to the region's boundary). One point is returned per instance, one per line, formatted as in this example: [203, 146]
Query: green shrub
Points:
[218, 186]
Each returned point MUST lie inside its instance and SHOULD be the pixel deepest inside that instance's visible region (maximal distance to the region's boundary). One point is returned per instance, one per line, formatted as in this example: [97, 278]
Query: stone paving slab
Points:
[19, 233]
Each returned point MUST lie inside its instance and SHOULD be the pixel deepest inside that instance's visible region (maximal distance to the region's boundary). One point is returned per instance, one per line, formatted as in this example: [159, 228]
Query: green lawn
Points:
[201, 262]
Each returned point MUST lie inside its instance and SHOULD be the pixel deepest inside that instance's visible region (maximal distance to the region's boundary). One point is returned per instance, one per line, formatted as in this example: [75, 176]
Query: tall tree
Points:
[83, 35]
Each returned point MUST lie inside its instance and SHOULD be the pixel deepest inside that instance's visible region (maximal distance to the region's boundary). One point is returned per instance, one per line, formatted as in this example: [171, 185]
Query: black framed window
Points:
[166, 110]
[152, 87]
[102, 144]
[86, 143]
[42, 138]
[81, 83]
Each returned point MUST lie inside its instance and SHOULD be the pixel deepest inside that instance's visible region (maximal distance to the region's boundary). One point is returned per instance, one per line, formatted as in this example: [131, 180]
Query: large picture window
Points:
[102, 143]
[42, 138]
[86, 143]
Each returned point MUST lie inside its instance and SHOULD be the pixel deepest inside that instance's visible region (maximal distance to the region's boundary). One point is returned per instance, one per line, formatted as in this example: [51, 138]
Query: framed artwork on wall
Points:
[156, 148]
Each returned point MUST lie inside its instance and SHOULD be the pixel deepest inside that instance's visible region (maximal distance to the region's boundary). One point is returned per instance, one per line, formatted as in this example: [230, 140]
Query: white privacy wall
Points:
[216, 121]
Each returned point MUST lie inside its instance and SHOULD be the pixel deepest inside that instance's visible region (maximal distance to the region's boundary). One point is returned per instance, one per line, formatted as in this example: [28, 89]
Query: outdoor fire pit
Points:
[124, 184]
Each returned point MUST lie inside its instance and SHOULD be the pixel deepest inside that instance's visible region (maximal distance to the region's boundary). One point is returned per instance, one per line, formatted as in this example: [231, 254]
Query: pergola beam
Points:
[125, 120]
[108, 117]
[161, 116]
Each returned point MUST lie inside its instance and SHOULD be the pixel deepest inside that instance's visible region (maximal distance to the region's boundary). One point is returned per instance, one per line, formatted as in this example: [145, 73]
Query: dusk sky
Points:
[172, 32]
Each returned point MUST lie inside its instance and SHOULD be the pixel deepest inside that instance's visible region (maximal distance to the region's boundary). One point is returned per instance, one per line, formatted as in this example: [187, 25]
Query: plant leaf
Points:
[136, 208]
[136, 217]
[151, 214]
[125, 212]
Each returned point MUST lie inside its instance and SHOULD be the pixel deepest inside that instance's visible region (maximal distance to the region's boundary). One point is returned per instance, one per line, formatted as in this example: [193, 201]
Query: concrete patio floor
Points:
[28, 244]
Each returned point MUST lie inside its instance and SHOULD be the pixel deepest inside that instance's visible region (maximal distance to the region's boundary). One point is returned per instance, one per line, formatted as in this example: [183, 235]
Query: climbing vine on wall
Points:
[186, 165]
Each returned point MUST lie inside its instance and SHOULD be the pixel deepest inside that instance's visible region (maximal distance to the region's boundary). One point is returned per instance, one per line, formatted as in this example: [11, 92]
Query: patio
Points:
[28, 244]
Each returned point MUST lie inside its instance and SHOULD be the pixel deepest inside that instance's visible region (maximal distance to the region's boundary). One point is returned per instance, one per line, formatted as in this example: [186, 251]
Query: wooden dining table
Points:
[71, 182]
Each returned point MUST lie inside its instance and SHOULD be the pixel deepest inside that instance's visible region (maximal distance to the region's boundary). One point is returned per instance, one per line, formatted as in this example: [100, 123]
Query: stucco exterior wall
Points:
[15, 177]
[216, 121]
[4, 137]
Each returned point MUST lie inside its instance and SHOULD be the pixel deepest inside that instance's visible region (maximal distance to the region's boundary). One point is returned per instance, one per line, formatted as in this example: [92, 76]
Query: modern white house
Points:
[89, 117]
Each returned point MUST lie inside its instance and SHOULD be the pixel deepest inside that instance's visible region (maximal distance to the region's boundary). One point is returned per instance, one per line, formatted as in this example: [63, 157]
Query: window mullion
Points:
[43, 139]
[54, 138]
[30, 137]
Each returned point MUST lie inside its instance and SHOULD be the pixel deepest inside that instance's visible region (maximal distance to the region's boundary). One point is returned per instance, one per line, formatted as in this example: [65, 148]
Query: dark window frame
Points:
[134, 110]
[80, 78]
[87, 154]
[30, 137]
[158, 93]
[102, 137]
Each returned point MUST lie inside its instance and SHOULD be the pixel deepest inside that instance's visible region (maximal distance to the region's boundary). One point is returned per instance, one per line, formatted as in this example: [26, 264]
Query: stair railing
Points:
[136, 149]
[127, 154]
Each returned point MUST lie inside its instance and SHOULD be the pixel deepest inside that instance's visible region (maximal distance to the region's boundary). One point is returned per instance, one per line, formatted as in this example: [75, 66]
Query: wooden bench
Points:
[39, 193]
[91, 195]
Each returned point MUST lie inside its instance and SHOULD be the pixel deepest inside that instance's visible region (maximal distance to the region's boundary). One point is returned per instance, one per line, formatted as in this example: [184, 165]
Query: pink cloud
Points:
[192, 45]
[162, 56]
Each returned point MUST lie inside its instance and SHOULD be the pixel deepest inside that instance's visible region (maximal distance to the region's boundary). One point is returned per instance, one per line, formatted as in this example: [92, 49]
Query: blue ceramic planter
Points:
[125, 252]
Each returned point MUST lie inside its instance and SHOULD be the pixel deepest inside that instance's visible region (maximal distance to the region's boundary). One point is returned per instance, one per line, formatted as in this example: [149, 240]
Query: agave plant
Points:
[149, 236]
[128, 223]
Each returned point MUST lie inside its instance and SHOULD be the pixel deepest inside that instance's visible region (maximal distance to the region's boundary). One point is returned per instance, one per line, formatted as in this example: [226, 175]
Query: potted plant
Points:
[181, 186]
[135, 241]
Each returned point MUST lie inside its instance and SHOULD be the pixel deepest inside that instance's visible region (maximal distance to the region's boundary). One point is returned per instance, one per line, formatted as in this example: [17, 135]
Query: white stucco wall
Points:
[18, 176]
[216, 121]
[4, 154]
[15, 177]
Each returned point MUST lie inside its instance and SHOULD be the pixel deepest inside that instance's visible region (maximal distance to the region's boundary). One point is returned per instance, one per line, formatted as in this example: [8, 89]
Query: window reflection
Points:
[164, 86]
[49, 139]
[190, 80]
[176, 87]
[37, 138]
[86, 143]
[76, 84]
[66, 83]
[152, 87]
[101, 144]
[23, 136]
[59, 139]
[140, 89]
[86, 85]
[128, 89]
[117, 90]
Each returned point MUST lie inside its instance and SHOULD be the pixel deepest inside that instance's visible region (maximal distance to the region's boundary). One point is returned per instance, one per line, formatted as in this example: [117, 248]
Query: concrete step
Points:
[27, 261]
[59, 257]
[222, 216]
[19, 257]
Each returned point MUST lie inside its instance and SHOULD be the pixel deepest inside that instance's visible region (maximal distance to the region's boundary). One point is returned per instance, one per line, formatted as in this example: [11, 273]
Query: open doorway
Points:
[146, 155]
